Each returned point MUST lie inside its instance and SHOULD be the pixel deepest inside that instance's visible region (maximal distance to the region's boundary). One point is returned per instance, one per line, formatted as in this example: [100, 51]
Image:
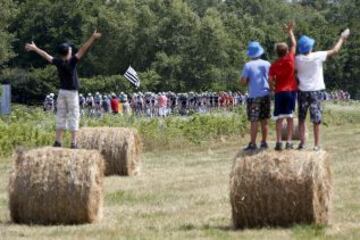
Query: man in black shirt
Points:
[68, 110]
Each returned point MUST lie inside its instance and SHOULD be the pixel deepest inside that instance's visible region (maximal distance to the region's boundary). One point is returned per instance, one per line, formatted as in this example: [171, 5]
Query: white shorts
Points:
[68, 110]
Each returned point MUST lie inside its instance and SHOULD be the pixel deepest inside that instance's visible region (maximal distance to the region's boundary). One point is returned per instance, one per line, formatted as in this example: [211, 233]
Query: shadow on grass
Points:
[298, 230]
[191, 227]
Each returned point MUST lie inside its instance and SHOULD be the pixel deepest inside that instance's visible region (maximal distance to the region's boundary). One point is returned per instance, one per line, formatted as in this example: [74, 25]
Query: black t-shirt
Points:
[67, 73]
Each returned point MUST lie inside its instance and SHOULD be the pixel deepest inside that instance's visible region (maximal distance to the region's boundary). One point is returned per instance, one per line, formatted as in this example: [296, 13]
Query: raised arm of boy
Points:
[87, 45]
[289, 28]
[31, 47]
[335, 50]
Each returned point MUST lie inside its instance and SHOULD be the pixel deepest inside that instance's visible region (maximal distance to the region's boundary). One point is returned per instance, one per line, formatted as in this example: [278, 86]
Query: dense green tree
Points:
[177, 45]
[345, 71]
[7, 13]
[200, 7]
[49, 24]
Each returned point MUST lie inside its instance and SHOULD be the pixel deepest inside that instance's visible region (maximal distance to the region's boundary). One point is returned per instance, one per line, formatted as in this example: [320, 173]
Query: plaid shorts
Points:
[258, 108]
[311, 101]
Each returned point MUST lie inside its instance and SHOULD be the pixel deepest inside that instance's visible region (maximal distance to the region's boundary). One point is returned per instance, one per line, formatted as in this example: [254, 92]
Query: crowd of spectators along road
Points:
[153, 104]
[164, 104]
[338, 95]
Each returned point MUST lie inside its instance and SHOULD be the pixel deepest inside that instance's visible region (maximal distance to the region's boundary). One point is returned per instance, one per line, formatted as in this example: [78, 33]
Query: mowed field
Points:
[184, 194]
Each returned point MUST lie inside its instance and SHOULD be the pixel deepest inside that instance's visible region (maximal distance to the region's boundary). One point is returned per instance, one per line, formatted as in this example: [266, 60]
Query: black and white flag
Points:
[132, 76]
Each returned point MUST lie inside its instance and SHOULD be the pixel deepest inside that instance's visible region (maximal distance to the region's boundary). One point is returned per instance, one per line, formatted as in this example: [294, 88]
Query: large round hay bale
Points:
[280, 189]
[296, 131]
[56, 186]
[120, 147]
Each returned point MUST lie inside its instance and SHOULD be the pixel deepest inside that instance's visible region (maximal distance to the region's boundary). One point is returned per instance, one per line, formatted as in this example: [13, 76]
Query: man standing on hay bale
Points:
[309, 67]
[68, 110]
[282, 79]
[255, 75]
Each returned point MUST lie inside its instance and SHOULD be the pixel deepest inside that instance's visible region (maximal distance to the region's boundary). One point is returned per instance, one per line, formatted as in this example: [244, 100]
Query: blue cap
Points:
[306, 44]
[255, 50]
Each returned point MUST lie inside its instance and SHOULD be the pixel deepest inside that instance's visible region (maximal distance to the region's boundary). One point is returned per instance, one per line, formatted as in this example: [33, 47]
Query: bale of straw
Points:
[296, 131]
[120, 148]
[280, 189]
[56, 186]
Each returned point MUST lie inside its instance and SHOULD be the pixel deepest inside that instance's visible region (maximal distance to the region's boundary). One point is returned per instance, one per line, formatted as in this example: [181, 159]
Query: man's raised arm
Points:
[87, 45]
[31, 47]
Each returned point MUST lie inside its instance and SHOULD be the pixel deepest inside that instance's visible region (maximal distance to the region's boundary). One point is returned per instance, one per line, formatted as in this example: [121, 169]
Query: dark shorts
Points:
[285, 104]
[311, 101]
[258, 108]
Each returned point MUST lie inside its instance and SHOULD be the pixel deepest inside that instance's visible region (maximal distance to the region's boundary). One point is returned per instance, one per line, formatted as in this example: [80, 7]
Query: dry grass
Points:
[121, 148]
[184, 194]
[56, 186]
[280, 189]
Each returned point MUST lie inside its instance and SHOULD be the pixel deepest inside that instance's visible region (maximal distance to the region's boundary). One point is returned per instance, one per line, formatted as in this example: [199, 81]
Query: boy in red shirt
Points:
[282, 79]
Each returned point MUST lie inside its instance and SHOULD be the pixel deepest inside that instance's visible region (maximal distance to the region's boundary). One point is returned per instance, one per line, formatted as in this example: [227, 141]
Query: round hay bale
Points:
[56, 186]
[280, 189]
[120, 148]
[296, 131]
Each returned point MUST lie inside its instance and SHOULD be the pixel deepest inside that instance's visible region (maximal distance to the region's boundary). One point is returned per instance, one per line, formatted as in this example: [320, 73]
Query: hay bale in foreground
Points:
[280, 189]
[296, 131]
[120, 147]
[56, 186]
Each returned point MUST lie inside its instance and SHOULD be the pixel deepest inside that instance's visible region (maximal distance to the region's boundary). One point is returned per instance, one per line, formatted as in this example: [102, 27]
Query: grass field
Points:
[183, 194]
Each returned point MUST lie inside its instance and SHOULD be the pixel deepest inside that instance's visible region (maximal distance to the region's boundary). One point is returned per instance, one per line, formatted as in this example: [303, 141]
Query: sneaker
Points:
[264, 145]
[250, 147]
[278, 146]
[317, 148]
[74, 146]
[289, 146]
[301, 146]
[56, 144]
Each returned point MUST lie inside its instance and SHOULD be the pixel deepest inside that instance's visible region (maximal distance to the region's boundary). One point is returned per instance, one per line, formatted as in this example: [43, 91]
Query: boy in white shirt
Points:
[309, 67]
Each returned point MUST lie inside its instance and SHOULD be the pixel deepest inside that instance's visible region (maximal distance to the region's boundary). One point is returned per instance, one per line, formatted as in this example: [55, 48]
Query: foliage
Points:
[7, 13]
[105, 84]
[177, 45]
[29, 86]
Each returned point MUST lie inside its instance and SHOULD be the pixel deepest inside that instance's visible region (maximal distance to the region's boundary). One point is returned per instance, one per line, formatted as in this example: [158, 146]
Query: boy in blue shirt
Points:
[255, 74]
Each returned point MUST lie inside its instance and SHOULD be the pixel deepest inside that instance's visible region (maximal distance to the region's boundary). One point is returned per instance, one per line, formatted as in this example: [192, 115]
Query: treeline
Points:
[177, 45]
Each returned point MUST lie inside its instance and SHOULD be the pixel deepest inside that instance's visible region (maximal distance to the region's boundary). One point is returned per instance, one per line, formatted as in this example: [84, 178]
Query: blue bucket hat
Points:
[306, 44]
[255, 50]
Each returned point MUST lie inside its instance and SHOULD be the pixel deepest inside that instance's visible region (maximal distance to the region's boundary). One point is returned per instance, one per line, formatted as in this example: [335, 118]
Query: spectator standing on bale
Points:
[255, 75]
[282, 79]
[309, 67]
[68, 110]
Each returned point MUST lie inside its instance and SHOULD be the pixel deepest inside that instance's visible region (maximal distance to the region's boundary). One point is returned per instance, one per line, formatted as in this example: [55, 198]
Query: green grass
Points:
[183, 193]
[31, 127]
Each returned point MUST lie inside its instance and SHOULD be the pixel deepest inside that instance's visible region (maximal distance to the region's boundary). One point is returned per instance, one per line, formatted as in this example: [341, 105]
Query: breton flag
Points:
[132, 76]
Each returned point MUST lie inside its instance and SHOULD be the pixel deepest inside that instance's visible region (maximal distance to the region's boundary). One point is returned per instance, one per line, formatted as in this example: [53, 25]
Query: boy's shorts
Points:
[68, 110]
[312, 101]
[284, 104]
[258, 108]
